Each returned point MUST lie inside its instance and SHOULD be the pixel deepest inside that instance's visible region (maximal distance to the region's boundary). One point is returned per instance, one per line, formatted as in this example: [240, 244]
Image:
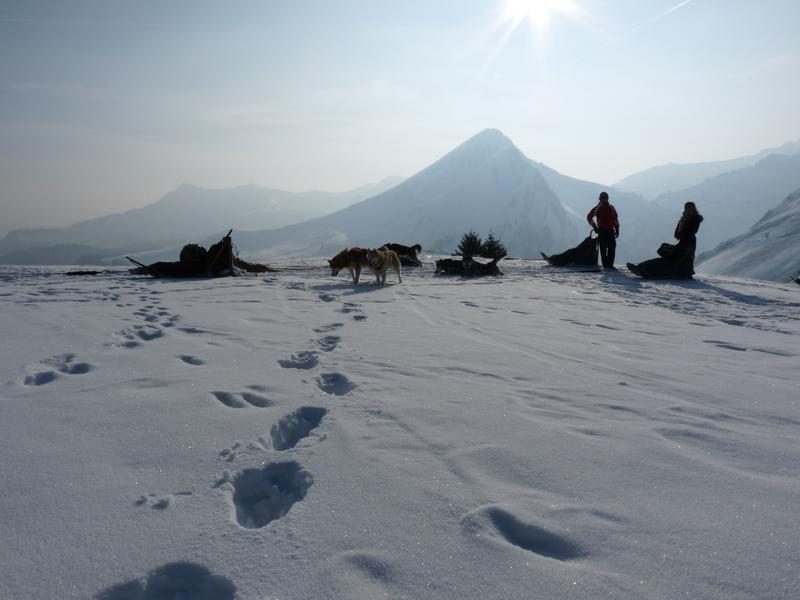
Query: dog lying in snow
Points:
[406, 254]
[450, 266]
[473, 268]
[380, 261]
[351, 259]
[469, 267]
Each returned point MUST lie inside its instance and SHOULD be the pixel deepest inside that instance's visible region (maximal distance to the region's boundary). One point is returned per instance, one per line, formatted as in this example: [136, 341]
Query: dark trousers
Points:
[608, 246]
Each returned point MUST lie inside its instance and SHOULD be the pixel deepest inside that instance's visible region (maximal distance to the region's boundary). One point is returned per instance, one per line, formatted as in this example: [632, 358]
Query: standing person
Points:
[686, 230]
[606, 228]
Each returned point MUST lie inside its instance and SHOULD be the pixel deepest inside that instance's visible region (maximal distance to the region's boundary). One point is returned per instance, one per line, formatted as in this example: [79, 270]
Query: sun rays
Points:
[537, 13]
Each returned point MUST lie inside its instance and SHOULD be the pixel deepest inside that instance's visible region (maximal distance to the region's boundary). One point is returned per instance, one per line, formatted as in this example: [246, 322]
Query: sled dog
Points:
[473, 268]
[380, 261]
[468, 267]
[351, 259]
[406, 254]
[449, 266]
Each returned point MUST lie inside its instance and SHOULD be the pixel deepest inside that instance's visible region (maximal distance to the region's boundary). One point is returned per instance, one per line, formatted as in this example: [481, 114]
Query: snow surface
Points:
[546, 434]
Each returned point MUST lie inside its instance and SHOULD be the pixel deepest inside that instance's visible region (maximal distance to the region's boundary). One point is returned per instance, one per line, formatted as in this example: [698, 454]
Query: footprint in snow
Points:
[500, 525]
[159, 502]
[263, 495]
[242, 400]
[327, 297]
[335, 384]
[48, 370]
[295, 426]
[183, 580]
[350, 307]
[328, 343]
[134, 336]
[191, 360]
[301, 360]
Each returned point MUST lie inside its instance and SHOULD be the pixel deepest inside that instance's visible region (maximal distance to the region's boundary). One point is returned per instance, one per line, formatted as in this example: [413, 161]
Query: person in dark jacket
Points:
[678, 262]
[607, 229]
[686, 229]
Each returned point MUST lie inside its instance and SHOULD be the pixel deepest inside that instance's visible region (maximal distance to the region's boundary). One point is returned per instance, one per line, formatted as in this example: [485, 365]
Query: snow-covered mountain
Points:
[484, 184]
[769, 250]
[185, 214]
[733, 202]
[672, 177]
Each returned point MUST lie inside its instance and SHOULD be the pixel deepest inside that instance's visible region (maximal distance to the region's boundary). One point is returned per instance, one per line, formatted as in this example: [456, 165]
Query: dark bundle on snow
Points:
[196, 261]
[584, 254]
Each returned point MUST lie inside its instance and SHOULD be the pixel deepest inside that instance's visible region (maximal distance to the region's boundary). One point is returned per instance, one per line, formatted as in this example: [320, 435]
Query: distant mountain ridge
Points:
[485, 184]
[769, 250]
[672, 177]
[185, 214]
[731, 203]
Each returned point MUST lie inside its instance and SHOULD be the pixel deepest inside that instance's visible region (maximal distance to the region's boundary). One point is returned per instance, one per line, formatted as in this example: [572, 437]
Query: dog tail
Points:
[498, 258]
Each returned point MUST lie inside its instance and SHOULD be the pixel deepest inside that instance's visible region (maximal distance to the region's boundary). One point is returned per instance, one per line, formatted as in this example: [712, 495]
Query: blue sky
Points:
[107, 105]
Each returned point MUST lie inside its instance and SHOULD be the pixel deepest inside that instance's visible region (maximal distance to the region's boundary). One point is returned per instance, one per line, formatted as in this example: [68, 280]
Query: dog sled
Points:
[674, 262]
[195, 261]
[582, 255]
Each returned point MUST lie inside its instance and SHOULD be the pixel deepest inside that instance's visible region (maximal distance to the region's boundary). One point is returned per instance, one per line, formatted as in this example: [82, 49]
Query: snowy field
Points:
[545, 435]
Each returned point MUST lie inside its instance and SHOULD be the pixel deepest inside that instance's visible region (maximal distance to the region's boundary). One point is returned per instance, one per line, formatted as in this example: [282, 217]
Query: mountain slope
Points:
[189, 213]
[769, 250]
[484, 184]
[733, 202]
[643, 225]
[672, 177]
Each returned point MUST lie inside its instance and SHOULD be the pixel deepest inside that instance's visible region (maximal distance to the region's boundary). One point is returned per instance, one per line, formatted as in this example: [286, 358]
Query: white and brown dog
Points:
[380, 261]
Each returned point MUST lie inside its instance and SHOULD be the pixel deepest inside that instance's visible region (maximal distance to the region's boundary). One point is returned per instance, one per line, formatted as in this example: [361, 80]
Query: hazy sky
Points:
[106, 105]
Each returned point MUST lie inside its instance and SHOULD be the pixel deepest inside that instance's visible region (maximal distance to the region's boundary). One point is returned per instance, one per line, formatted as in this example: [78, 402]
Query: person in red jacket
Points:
[604, 221]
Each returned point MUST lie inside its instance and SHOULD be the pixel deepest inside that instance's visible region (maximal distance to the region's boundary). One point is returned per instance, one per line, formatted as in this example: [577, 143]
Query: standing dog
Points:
[351, 259]
[380, 261]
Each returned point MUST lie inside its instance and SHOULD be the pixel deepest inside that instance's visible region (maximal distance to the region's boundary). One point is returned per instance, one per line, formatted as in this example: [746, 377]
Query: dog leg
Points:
[356, 274]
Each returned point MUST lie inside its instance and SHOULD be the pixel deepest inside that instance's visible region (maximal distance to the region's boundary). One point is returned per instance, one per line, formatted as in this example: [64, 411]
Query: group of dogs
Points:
[392, 256]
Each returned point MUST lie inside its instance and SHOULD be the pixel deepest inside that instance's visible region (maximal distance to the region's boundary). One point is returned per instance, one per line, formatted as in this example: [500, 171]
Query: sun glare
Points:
[538, 13]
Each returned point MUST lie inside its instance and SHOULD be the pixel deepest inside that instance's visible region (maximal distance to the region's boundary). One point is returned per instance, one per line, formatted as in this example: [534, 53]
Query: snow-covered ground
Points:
[548, 434]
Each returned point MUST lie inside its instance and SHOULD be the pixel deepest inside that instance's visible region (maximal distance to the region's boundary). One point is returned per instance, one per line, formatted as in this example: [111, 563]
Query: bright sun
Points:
[538, 12]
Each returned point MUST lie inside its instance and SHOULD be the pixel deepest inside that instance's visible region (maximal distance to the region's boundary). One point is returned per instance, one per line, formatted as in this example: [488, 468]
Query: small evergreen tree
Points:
[492, 247]
[470, 245]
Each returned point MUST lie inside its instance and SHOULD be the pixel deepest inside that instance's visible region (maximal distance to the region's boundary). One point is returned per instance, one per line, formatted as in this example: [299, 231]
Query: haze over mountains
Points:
[732, 202]
[485, 184]
[185, 214]
[672, 177]
[769, 250]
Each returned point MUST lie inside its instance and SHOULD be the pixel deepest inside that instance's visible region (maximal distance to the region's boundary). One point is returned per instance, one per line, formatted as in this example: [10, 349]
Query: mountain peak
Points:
[489, 139]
